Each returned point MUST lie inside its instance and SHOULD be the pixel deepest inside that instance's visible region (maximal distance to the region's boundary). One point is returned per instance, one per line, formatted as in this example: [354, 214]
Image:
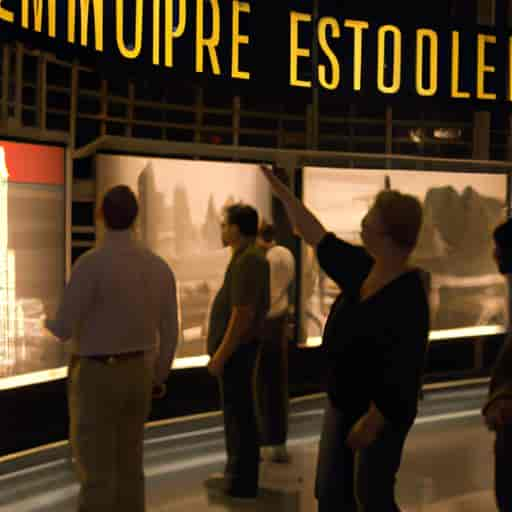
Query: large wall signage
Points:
[244, 42]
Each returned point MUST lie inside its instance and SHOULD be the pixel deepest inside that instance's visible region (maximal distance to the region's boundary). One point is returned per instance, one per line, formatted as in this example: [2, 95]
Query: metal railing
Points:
[37, 92]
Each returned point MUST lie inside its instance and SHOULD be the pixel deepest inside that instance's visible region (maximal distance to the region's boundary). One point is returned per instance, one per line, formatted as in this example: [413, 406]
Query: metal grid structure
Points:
[46, 95]
[47, 99]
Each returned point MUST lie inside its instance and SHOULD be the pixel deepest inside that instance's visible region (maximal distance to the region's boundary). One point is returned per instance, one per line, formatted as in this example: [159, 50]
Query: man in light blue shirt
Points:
[120, 311]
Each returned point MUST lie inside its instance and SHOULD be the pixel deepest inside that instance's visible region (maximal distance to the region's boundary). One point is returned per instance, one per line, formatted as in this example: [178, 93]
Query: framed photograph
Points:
[32, 256]
[460, 212]
[181, 206]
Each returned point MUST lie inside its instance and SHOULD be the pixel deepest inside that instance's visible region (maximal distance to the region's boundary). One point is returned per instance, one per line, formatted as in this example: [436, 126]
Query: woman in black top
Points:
[375, 337]
[498, 408]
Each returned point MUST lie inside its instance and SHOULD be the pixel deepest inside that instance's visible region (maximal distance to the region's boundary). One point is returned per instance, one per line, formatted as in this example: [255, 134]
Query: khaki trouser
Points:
[108, 405]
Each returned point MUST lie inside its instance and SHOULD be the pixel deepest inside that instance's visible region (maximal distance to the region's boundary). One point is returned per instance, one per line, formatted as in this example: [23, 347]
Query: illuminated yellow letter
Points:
[295, 51]
[5, 14]
[139, 13]
[397, 59]
[170, 32]
[38, 15]
[456, 92]
[84, 16]
[358, 27]
[482, 68]
[156, 32]
[421, 35]
[212, 42]
[324, 45]
[238, 39]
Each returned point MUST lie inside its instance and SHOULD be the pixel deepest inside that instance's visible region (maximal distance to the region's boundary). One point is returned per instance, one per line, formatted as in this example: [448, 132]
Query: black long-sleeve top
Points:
[375, 347]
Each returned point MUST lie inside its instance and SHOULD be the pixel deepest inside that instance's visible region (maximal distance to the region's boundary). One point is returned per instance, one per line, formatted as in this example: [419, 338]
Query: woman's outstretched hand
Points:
[277, 183]
[304, 222]
[271, 176]
[266, 170]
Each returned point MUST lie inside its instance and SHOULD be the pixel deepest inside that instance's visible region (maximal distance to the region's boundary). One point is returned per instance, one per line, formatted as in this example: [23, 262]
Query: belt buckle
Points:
[111, 360]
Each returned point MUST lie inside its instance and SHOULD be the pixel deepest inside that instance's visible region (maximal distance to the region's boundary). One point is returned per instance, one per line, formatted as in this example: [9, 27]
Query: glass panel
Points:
[455, 245]
[32, 257]
[181, 202]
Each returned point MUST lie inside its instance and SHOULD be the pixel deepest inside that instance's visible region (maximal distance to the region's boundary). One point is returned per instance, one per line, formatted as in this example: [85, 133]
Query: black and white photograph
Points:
[32, 266]
[181, 205]
[455, 245]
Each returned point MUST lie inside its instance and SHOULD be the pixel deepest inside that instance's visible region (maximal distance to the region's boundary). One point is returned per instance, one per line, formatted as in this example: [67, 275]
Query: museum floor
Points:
[447, 466]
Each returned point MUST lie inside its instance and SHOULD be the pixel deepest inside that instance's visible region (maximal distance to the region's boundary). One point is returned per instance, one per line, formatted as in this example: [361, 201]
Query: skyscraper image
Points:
[11, 314]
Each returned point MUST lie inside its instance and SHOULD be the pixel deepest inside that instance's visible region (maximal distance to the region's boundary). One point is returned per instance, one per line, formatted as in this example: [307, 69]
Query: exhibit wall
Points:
[181, 203]
[181, 206]
[455, 244]
[32, 258]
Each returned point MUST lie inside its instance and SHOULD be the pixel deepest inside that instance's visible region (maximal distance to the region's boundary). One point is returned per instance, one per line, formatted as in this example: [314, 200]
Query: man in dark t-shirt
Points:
[498, 409]
[236, 321]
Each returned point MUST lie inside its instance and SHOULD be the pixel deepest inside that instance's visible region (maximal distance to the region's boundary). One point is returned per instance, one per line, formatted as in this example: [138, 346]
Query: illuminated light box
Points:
[181, 204]
[32, 257]
[468, 296]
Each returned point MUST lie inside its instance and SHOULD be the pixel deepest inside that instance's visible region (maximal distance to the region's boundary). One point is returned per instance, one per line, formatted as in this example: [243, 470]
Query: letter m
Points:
[37, 7]
[85, 6]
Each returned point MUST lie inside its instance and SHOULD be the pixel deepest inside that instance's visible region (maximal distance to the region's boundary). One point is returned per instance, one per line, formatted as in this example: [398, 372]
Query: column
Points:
[486, 15]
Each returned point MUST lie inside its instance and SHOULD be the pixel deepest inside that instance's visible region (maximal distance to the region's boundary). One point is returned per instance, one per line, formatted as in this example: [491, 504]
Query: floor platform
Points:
[447, 465]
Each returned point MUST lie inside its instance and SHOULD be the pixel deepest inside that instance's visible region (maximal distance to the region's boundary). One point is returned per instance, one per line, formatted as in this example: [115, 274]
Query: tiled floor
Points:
[447, 466]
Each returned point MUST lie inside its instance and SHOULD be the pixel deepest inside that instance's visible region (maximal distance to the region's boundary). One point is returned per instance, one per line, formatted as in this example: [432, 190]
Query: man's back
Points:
[132, 285]
[119, 296]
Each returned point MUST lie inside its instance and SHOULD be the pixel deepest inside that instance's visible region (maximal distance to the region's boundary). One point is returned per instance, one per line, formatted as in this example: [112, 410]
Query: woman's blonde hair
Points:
[402, 216]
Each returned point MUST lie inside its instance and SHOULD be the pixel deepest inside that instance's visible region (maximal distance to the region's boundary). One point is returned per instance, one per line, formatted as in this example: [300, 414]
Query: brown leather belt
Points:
[116, 358]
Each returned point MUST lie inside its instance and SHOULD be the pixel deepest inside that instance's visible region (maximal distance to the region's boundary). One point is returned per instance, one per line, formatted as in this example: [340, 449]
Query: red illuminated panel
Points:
[33, 163]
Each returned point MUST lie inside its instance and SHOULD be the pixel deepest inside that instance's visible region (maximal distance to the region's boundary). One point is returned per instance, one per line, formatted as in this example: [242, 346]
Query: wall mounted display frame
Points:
[456, 354]
[34, 258]
[144, 152]
[295, 162]
[181, 204]
[468, 296]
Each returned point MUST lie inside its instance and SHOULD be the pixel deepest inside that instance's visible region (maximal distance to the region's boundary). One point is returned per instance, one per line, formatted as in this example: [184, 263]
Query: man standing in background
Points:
[272, 367]
[236, 320]
[498, 409]
[119, 298]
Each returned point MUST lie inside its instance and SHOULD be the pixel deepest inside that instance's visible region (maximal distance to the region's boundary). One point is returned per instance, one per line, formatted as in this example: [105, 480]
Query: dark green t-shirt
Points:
[246, 283]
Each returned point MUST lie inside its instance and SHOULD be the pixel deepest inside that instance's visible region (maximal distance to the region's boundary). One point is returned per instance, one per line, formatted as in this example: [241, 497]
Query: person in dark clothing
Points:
[272, 366]
[236, 321]
[498, 409]
[375, 337]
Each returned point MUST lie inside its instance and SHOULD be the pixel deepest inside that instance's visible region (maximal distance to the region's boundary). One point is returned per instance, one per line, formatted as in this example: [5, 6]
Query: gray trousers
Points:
[108, 406]
[363, 481]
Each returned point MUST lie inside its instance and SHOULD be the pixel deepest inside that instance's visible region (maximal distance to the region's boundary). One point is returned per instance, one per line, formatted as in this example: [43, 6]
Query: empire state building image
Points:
[11, 313]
